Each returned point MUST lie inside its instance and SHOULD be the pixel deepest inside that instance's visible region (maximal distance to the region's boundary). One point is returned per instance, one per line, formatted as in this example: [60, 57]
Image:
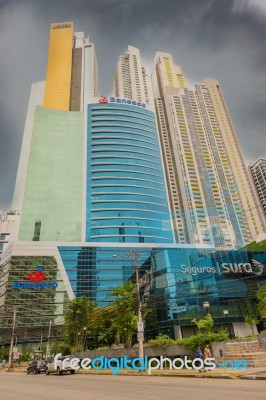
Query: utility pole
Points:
[10, 358]
[48, 341]
[134, 255]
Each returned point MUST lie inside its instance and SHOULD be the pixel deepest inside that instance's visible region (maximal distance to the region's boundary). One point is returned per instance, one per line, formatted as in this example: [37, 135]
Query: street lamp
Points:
[226, 312]
[77, 344]
[206, 305]
[84, 337]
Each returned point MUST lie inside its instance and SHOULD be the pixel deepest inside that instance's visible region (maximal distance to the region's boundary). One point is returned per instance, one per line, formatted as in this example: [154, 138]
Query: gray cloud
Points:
[222, 39]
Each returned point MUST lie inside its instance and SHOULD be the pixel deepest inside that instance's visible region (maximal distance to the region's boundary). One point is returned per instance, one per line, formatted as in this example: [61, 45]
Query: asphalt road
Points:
[20, 386]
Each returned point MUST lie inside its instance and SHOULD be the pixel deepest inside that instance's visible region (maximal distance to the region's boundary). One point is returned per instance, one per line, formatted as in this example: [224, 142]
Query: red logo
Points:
[103, 100]
[37, 276]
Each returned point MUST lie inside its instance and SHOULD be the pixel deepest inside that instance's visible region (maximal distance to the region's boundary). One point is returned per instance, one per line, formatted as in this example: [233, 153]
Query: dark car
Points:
[36, 367]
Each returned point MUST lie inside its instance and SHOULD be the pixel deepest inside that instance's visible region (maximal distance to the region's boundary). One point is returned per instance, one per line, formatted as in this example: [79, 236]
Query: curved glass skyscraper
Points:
[126, 195]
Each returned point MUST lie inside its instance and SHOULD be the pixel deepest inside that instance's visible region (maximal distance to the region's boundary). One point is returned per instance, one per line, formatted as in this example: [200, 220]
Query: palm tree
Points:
[251, 321]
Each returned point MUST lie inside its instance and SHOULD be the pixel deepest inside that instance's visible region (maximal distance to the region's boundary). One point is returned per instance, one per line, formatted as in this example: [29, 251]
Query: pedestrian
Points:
[201, 356]
[207, 352]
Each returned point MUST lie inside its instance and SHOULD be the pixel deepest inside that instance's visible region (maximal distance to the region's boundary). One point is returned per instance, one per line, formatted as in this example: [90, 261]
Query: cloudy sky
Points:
[224, 39]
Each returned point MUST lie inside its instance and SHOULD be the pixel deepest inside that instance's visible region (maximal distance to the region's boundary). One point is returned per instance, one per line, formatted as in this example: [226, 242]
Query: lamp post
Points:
[47, 353]
[84, 337]
[77, 344]
[77, 312]
[10, 358]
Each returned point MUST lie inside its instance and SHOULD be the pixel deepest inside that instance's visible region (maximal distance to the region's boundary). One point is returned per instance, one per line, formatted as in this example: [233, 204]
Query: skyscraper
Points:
[132, 79]
[126, 191]
[258, 172]
[211, 195]
[58, 78]
[49, 187]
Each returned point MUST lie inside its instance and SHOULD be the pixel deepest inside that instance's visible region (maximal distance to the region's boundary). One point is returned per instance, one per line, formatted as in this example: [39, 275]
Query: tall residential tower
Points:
[258, 172]
[212, 197]
[132, 79]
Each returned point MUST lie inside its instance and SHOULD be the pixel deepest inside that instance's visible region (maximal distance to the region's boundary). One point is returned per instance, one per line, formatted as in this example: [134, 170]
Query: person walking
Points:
[207, 352]
[200, 355]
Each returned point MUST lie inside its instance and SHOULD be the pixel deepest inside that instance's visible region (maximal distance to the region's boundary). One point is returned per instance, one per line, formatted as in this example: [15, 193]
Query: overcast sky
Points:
[224, 39]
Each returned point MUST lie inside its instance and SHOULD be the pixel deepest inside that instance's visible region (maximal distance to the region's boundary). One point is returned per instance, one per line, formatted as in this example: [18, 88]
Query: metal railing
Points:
[242, 339]
[262, 341]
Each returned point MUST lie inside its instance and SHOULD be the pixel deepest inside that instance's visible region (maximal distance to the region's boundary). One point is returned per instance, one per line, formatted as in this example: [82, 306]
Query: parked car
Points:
[60, 368]
[36, 367]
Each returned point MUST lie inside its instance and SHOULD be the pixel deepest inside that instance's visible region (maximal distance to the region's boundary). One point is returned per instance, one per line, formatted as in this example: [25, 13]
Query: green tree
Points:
[27, 355]
[60, 347]
[101, 332]
[4, 353]
[205, 323]
[124, 321]
[251, 321]
[78, 317]
[261, 296]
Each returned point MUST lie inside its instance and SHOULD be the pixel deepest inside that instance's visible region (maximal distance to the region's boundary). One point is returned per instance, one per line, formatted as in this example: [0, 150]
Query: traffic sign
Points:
[16, 355]
[140, 327]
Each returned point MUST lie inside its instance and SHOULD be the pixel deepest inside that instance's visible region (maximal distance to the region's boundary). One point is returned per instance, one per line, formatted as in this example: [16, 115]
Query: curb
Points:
[253, 377]
[199, 376]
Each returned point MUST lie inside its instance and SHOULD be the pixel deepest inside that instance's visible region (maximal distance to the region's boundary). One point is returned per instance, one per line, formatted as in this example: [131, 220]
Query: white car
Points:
[62, 365]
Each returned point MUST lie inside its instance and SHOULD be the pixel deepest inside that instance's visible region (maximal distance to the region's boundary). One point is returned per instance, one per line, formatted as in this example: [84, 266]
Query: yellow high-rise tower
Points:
[58, 77]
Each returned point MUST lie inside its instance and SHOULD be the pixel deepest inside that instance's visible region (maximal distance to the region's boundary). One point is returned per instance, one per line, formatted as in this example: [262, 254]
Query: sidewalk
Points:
[218, 373]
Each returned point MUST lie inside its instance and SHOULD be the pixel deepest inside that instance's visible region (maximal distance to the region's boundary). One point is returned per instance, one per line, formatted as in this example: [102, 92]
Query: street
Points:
[20, 386]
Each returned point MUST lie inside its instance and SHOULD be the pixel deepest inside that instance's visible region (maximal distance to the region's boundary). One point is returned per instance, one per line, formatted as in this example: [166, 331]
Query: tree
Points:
[124, 321]
[60, 347]
[205, 323]
[251, 321]
[78, 317]
[261, 296]
[101, 331]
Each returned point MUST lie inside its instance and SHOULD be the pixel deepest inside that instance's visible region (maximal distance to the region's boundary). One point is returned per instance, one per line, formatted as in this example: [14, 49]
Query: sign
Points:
[103, 100]
[36, 280]
[127, 101]
[140, 336]
[61, 26]
[37, 276]
[140, 327]
[254, 268]
[16, 355]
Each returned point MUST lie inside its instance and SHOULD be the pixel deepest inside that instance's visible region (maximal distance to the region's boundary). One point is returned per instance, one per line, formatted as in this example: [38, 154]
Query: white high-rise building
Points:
[212, 197]
[84, 78]
[258, 172]
[132, 79]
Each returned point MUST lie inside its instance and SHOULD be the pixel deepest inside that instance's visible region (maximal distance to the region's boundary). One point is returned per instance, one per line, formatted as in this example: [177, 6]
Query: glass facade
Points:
[175, 282]
[52, 206]
[126, 193]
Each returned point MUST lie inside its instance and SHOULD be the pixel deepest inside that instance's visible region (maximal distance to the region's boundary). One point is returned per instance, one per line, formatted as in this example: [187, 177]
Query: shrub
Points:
[202, 339]
[161, 340]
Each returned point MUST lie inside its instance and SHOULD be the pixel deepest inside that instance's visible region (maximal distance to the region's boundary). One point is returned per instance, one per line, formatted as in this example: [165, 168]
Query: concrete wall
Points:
[240, 329]
[150, 351]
